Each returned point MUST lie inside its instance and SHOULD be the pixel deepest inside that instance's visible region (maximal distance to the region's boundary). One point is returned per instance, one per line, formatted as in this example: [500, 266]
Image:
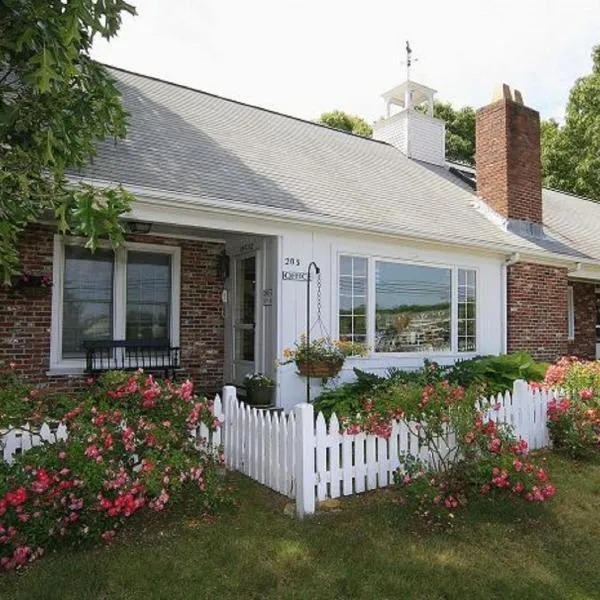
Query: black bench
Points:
[131, 355]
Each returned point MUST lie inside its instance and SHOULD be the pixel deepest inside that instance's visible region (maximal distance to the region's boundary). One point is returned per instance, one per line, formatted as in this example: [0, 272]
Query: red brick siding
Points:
[508, 160]
[537, 310]
[25, 321]
[584, 301]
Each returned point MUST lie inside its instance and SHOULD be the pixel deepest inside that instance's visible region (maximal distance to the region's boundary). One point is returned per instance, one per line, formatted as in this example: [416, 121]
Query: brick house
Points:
[418, 257]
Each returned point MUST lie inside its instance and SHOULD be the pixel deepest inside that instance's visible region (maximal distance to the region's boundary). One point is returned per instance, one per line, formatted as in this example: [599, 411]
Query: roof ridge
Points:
[572, 194]
[241, 103]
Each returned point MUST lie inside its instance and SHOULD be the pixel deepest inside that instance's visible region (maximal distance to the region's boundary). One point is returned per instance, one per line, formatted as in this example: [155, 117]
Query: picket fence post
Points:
[229, 398]
[305, 460]
[522, 406]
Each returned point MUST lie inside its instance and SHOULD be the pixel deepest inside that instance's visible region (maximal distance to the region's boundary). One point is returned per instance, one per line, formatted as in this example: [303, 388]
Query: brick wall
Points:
[584, 301]
[537, 310]
[509, 176]
[25, 321]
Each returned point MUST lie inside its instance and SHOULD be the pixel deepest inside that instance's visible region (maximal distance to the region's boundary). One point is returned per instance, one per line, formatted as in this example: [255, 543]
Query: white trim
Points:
[570, 314]
[62, 366]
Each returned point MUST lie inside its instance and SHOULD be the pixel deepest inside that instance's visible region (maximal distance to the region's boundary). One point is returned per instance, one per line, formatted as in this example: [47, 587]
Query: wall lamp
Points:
[139, 226]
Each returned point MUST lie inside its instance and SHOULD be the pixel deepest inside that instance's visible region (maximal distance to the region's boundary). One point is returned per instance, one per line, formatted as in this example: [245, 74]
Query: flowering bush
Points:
[22, 404]
[132, 446]
[469, 452]
[574, 419]
[574, 423]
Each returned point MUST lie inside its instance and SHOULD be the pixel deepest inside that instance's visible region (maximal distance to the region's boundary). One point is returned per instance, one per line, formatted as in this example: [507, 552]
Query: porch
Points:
[183, 301]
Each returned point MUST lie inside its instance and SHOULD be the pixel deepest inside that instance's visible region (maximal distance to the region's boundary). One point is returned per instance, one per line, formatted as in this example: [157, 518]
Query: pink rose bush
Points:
[470, 452]
[132, 447]
[574, 418]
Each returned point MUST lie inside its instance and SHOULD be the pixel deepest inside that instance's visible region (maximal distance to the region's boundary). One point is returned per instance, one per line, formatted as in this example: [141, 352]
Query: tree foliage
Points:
[338, 119]
[571, 153]
[55, 103]
[460, 131]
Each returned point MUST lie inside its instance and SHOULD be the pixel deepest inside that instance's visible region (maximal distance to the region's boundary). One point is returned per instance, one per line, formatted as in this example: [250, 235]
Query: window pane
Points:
[148, 296]
[87, 299]
[352, 298]
[467, 310]
[413, 308]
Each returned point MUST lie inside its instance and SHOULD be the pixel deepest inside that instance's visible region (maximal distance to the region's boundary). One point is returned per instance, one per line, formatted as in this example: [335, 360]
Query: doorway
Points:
[244, 317]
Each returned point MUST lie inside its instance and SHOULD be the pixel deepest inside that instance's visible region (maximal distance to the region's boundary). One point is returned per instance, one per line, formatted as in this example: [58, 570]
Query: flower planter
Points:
[259, 396]
[319, 369]
[32, 285]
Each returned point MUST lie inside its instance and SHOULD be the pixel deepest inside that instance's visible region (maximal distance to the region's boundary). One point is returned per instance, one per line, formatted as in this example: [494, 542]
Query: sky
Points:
[305, 57]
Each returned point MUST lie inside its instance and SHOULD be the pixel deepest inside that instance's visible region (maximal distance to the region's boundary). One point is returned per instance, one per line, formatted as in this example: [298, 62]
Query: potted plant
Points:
[259, 389]
[322, 357]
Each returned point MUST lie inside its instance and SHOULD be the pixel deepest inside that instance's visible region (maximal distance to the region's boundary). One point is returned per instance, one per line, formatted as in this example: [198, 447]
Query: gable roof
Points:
[185, 141]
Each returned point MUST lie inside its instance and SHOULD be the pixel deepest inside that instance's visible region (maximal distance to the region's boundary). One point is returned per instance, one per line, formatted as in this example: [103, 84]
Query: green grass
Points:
[369, 549]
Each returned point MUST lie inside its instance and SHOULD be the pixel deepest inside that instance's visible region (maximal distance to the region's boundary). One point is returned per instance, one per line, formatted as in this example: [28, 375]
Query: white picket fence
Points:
[309, 459]
[20, 439]
[16, 440]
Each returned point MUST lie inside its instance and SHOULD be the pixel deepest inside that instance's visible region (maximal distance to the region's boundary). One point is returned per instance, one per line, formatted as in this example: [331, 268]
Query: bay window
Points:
[398, 307]
[131, 294]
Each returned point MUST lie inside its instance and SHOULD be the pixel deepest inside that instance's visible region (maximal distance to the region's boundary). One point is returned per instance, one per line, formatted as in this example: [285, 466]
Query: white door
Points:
[244, 317]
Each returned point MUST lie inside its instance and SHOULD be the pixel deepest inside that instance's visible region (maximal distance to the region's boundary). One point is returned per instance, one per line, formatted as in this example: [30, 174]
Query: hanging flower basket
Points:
[319, 369]
[321, 358]
[33, 285]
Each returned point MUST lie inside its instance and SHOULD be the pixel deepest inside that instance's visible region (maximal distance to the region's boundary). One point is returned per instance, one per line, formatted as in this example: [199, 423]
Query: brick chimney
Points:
[507, 155]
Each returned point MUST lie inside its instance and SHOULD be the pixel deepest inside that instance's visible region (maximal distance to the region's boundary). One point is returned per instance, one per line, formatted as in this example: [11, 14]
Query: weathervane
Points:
[409, 59]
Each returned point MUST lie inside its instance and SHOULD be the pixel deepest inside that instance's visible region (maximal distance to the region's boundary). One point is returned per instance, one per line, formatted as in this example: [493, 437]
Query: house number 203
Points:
[289, 261]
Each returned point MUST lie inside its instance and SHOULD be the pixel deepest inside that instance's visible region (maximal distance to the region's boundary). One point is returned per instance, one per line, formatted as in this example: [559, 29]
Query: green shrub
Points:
[496, 374]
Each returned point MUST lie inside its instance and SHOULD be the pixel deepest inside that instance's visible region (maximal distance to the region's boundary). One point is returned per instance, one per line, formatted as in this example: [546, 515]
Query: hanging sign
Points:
[294, 276]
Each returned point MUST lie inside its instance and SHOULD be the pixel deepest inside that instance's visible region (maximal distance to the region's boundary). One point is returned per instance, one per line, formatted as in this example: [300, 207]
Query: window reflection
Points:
[413, 308]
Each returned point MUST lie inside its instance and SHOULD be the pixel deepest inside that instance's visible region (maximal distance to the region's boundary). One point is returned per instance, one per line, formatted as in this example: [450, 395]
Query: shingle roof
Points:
[186, 141]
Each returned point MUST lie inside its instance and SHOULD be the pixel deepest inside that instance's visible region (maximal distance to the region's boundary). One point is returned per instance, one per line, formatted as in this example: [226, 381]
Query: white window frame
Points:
[65, 366]
[570, 314]
[371, 305]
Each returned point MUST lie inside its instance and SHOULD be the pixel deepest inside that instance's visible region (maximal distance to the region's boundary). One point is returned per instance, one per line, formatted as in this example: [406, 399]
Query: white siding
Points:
[417, 135]
[325, 248]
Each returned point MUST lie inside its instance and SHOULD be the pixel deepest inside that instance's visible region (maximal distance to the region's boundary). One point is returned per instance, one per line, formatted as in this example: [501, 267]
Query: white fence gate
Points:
[310, 459]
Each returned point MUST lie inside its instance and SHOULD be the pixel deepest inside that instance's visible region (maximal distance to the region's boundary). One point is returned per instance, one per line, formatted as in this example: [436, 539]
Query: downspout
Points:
[509, 260]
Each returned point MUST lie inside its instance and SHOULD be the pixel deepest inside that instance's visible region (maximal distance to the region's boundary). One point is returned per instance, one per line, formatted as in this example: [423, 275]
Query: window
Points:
[413, 308]
[570, 313]
[407, 308]
[87, 301]
[130, 294]
[148, 296]
[353, 299]
[467, 310]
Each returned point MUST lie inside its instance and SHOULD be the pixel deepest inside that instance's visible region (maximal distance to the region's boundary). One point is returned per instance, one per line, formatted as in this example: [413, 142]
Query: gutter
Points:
[511, 259]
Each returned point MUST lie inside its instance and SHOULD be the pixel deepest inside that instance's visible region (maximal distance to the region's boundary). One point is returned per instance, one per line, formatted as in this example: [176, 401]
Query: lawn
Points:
[369, 549]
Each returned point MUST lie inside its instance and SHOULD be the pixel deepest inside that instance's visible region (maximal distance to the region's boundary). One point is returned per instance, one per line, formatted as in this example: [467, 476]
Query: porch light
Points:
[223, 265]
[139, 227]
